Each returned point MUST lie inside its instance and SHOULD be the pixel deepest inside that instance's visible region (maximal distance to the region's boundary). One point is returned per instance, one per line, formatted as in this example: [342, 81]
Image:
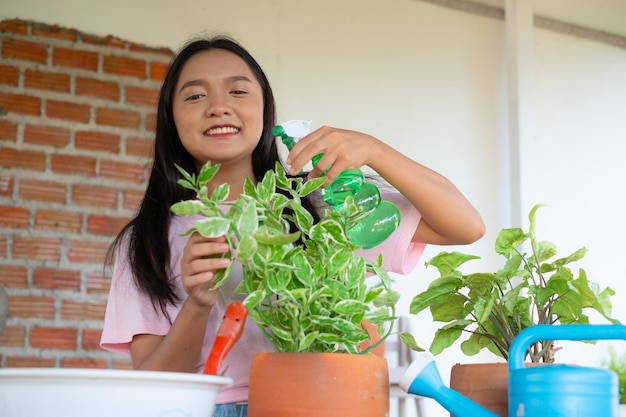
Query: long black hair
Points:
[147, 233]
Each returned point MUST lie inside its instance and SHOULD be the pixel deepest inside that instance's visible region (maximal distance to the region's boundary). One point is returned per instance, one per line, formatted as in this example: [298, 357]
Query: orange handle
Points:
[229, 332]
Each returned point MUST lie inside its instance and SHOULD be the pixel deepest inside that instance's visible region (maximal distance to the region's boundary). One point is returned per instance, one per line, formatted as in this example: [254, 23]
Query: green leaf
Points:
[445, 337]
[451, 309]
[246, 249]
[349, 307]
[311, 185]
[448, 262]
[213, 227]
[509, 240]
[187, 208]
[249, 221]
[409, 341]
[270, 237]
[438, 291]
[207, 172]
[221, 192]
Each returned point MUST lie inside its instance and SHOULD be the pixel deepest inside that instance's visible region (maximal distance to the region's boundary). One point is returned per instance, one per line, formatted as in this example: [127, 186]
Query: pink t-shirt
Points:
[130, 312]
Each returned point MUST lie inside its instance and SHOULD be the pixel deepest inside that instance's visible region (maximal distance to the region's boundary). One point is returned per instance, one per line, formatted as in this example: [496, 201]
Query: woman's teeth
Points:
[222, 130]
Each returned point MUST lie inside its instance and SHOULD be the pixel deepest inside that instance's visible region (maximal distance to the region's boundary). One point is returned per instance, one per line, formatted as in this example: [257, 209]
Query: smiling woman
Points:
[216, 109]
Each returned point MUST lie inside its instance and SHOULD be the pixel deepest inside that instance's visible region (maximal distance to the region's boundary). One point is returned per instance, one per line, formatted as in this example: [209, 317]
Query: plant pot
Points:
[622, 410]
[483, 383]
[318, 384]
[63, 392]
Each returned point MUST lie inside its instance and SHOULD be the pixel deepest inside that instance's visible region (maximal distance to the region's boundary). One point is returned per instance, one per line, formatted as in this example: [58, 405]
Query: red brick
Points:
[14, 26]
[53, 338]
[36, 248]
[150, 124]
[14, 217]
[42, 191]
[82, 310]
[13, 158]
[67, 111]
[6, 184]
[82, 363]
[56, 279]
[122, 171]
[54, 31]
[97, 141]
[105, 225]
[139, 147]
[120, 65]
[88, 252]
[132, 199]
[26, 50]
[109, 41]
[30, 362]
[91, 87]
[142, 96]
[71, 164]
[13, 336]
[75, 58]
[8, 130]
[3, 247]
[46, 135]
[155, 50]
[20, 103]
[98, 284]
[158, 71]
[51, 81]
[59, 221]
[9, 75]
[91, 339]
[91, 195]
[14, 276]
[24, 306]
[118, 118]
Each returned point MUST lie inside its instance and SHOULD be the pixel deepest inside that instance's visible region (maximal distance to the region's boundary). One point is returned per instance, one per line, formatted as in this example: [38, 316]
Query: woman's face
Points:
[218, 109]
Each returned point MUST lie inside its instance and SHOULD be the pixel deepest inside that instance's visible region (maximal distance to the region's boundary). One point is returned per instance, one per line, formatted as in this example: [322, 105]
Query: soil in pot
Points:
[318, 384]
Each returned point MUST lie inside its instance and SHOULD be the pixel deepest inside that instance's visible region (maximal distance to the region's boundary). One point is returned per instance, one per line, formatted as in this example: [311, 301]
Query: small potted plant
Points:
[306, 288]
[616, 362]
[489, 309]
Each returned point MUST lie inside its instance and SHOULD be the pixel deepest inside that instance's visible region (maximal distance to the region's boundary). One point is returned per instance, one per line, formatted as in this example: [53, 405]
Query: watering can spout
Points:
[422, 378]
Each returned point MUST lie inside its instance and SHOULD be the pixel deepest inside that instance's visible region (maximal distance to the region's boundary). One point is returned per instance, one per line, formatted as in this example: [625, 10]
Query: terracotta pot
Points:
[483, 383]
[318, 384]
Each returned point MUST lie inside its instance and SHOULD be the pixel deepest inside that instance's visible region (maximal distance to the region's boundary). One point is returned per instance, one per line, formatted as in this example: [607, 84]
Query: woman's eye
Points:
[239, 92]
[192, 97]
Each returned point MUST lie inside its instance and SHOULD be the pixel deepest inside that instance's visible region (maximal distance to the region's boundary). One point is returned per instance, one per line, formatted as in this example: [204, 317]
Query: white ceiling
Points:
[603, 15]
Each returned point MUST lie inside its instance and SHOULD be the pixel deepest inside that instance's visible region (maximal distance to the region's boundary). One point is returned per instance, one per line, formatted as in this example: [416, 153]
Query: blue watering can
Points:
[550, 390]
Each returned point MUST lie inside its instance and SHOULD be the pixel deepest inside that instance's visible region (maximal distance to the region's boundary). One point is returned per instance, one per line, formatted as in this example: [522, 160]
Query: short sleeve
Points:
[400, 254]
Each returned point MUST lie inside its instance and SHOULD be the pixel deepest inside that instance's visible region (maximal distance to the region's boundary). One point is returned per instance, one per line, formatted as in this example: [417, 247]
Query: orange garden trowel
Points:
[229, 332]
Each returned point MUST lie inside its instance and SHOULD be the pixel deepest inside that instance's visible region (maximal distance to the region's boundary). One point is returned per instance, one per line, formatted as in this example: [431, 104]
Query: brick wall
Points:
[76, 123]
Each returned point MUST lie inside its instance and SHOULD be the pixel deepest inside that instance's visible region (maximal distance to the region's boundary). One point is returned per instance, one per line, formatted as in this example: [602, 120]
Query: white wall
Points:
[432, 82]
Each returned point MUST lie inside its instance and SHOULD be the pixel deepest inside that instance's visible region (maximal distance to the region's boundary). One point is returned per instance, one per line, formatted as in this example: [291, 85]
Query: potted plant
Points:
[616, 362]
[306, 289]
[489, 309]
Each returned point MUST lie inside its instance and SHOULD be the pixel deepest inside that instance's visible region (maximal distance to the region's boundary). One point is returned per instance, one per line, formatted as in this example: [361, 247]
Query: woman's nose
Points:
[218, 105]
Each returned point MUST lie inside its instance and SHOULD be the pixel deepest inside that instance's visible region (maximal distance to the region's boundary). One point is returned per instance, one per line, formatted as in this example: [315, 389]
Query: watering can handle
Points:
[533, 334]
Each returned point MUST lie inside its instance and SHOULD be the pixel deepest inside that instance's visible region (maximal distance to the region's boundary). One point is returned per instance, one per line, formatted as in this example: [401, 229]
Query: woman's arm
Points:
[180, 349]
[447, 216]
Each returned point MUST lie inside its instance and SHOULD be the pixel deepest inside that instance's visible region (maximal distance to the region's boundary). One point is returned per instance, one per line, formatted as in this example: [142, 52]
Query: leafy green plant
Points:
[617, 363]
[492, 308]
[305, 289]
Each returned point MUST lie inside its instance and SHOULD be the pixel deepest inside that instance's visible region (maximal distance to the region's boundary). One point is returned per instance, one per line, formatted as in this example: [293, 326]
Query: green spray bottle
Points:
[383, 217]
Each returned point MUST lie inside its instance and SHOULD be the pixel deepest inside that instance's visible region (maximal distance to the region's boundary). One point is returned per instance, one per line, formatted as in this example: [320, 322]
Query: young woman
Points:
[217, 105]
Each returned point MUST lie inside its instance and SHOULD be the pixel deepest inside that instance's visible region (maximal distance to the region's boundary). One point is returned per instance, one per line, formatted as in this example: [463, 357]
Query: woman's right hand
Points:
[201, 259]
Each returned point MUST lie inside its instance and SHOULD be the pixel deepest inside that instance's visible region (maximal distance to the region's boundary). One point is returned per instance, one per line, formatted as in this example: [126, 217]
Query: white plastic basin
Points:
[50, 392]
